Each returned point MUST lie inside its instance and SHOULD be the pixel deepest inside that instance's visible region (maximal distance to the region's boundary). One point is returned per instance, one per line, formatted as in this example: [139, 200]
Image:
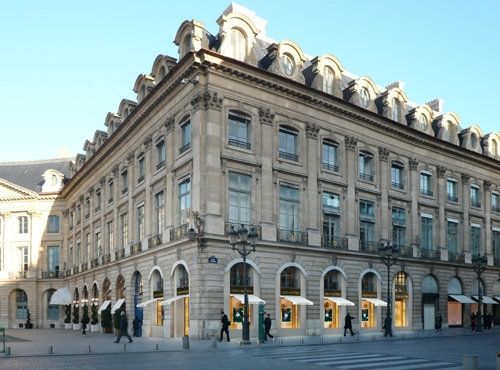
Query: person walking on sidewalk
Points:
[224, 326]
[267, 326]
[473, 322]
[123, 328]
[439, 323]
[348, 323]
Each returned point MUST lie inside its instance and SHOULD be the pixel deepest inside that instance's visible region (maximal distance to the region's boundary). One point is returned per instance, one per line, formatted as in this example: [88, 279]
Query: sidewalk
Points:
[38, 342]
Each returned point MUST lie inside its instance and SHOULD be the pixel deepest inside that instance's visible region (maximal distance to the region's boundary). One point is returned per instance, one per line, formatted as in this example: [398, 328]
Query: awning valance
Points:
[252, 299]
[144, 304]
[497, 298]
[484, 299]
[298, 300]
[61, 296]
[339, 301]
[117, 305]
[104, 305]
[461, 298]
[377, 302]
[173, 299]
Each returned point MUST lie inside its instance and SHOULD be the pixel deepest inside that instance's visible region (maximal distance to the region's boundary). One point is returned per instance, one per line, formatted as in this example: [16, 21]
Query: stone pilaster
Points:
[351, 201]
[414, 188]
[312, 205]
[385, 217]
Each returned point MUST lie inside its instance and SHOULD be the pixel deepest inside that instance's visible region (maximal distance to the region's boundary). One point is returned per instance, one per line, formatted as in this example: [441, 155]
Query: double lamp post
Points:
[388, 255]
[479, 265]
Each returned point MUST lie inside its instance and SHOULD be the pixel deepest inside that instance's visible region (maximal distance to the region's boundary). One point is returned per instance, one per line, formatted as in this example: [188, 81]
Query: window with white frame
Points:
[185, 137]
[426, 232]
[140, 222]
[23, 258]
[331, 217]
[289, 207]
[240, 196]
[111, 188]
[475, 239]
[238, 44]
[22, 224]
[53, 260]
[124, 229]
[52, 310]
[452, 232]
[475, 200]
[425, 183]
[288, 148]
[159, 211]
[329, 156]
[111, 236]
[328, 80]
[239, 129]
[495, 205]
[397, 175]
[451, 190]
[399, 226]
[53, 224]
[161, 154]
[184, 199]
[141, 169]
[365, 166]
[366, 223]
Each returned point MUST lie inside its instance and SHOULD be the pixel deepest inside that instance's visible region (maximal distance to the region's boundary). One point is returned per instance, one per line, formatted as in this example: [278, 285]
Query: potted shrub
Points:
[76, 318]
[67, 319]
[94, 323]
[28, 324]
[106, 320]
[116, 319]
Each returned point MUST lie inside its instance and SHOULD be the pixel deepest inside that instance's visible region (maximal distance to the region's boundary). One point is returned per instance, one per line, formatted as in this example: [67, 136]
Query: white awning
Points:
[485, 299]
[340, 301]
[61, 297]
[104, 305]
[298, 300]
[144, 304]
[252, 299]
[497, 298]
[173, 299]
[117, 305]
[461, 298]
[376, 301]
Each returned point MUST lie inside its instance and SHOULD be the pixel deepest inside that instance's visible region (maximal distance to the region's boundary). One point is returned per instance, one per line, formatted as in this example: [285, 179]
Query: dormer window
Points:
[328, 80]
[473, 140]
[365, 97]
[238, 44]
[423, 122]
[395, 110]
[288, 64]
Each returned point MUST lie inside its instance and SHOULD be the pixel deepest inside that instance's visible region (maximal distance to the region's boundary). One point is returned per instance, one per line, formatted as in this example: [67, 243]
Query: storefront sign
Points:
[158, 294]
[333, 293]
[290, 291]
[368, 294]
[213, 259]
[183, 291]
[239, 290]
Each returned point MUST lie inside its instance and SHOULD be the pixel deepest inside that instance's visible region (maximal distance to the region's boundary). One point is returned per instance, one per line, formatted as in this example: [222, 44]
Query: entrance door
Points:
[429, 316]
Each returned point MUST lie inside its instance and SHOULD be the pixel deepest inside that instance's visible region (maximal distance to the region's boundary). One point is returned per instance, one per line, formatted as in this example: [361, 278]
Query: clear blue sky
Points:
[65, 64]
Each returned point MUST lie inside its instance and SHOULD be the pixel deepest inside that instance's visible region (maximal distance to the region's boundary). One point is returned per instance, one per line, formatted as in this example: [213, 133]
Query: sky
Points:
[65, 64]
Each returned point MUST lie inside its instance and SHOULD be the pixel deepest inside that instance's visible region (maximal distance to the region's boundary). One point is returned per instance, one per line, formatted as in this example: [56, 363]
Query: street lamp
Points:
[244, 246]
[479, 265]
[388, 255]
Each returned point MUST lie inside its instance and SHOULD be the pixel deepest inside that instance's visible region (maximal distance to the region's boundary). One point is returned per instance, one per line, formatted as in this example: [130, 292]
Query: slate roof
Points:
[28, 174]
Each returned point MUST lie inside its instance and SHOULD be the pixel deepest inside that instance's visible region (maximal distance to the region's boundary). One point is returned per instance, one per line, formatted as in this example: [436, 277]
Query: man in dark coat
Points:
[123, 328]
[224, 326]
[267, 326]
[348, 323]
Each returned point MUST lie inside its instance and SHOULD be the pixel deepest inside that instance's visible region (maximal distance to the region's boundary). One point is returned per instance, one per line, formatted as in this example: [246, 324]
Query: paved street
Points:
[442, 352]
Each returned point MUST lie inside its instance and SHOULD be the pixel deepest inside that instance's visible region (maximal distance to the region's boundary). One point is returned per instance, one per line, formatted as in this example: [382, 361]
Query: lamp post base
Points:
[245, 342]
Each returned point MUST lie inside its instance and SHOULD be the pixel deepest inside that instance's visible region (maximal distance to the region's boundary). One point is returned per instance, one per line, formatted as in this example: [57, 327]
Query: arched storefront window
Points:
[157, 289]
[333, 300]
[52, 310]
[21, 304]
[292, 298]
[456, 299]
[237, 281]
[370, 300]
[430, 301]
[402, 303]
[179, 304]
[138, 311]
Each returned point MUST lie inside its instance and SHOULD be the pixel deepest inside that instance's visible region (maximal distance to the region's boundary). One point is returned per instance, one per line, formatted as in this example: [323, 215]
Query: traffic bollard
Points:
[185, 342]
[469, 362]
[89, 349]
[157, 347]
[7, 351]
[214, 342]
[124, 347]
[51, 350]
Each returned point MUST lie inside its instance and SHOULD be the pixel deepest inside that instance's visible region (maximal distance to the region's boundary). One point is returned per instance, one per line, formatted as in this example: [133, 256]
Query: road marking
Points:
[354, 360]
[429, 365]
[316, 356]
[388, 364]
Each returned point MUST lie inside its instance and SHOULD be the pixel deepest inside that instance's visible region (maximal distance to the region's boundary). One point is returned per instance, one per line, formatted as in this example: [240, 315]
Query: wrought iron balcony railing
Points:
[330, 167]
[119, 253]
[368, 246]
[178, 233]
[257, 229]
[106, 258]
[398, 185]
[155, 240]
[335, 242]
[239, 143]
[94, 263]
[184, 148]
[289, 156]
[291, 236]
[53, 275]
[430, 254]
[365, 176]
[425, 191]
[452, 198]
[456, 257]
[135, 248]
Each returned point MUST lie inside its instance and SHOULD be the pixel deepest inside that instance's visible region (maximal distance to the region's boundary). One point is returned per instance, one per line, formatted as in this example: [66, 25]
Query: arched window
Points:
[401, 298]
[368, 294]
[52, 310]
[473, 140]
[494, 147]
[186, 47]
[423, 122]
[395, 110]
[238, 44]
[161, 73]
[156, 286]
[288, 64]
[328, 80]
[21, 304]
[365, 97]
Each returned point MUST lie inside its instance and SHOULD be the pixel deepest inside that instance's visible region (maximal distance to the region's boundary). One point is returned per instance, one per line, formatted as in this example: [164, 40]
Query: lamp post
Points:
[388, 255]
[244, 246]
[479, 265]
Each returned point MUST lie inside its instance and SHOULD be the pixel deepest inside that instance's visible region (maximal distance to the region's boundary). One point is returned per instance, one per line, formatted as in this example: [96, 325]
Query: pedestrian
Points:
[135, 326]
[84, 325]
[348, 323]
[123, 328]
[267, 326]
[439, 323]
[473, 322]
[224, 326]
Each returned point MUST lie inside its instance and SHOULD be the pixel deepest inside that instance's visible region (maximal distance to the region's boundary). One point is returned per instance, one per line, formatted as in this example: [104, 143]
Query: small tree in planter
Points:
[94, 319]
[76, 318]
[28, 324]
[106, 320]
[67, 319]
[85, 315]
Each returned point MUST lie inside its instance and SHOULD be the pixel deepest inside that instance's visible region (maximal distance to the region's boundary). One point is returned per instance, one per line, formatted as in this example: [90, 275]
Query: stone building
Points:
[322, 164]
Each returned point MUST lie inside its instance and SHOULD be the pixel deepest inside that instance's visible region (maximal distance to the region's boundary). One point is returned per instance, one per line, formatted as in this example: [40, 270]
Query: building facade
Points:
[323, 165]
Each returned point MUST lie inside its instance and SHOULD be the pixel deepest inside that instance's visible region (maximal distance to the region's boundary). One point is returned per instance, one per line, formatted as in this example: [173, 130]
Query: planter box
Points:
[68, 326]
[77, 327]
[94, 328]
[28, 326]
[107, 330]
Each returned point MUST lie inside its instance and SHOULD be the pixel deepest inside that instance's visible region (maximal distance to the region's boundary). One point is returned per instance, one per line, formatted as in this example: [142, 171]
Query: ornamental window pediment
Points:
[420, 118]
[143, 86]
[325, 74]
[471, 138]
[491, 145]
[393, 103]
[285, 59]
[362, 92]
[191, 36]
[447, 127]
[162, 66]
[99, 138]
[126, 108]
[112, 122]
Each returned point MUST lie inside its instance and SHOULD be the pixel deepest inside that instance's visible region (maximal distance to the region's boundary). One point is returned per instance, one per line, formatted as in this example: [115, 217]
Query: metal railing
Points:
[475, 203]
[53, 275]
[330, 166]
[119, 253]
[160, 165]
[155, 240]
[84, 266]
[18, 274]
[184, 148]
[335, 242]
[94, 263]
[289, 283]
[135, 248]
[75, 270]
[428, 192]
[257, 229]
[291, 236]
[239, 143]
[405, 250]
[452, 198]
[179, 232]
[368, 246]
[365, 176]
[398, 185]
[456, 257]
[106, 258]
[430, 254]
[289, 156]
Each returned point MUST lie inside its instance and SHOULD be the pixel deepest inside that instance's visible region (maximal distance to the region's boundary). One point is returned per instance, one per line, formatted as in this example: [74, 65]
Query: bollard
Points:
[185, 342]
[124, 347]
[498, 360]
[469, 362]
[157, 347]
[50, 350]
[7, 351]
[214, 342]
[89, 349]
